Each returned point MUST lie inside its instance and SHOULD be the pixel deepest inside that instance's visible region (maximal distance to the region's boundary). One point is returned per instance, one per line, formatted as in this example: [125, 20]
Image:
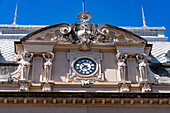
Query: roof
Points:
[7, 49]
[21, 26]
[159, 50]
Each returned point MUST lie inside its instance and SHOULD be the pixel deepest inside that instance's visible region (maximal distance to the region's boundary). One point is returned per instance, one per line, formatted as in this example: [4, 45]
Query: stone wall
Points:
[32, 108]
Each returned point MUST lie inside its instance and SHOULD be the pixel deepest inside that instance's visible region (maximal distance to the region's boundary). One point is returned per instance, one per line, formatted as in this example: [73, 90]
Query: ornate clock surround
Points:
[73, 76]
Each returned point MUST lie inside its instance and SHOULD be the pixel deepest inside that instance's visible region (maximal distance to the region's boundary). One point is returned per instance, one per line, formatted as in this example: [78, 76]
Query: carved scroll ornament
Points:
[86, 35]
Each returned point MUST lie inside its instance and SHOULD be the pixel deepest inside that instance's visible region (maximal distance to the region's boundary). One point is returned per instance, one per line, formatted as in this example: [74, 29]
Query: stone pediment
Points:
[83, 33]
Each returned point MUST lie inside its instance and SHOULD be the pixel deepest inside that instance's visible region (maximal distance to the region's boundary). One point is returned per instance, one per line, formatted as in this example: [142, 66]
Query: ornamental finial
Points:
[83, 6]
[84, 16]
[15, 16]
[143, 17]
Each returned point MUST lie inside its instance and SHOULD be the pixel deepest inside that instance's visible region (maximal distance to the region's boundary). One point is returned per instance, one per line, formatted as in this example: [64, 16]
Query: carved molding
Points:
[38, 48]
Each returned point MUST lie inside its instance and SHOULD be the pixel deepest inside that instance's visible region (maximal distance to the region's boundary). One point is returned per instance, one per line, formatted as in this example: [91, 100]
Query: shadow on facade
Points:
[2, 58]
[162, 70]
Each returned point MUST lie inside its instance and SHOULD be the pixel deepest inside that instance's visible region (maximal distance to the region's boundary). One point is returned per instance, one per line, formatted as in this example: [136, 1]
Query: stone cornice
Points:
[85, 98]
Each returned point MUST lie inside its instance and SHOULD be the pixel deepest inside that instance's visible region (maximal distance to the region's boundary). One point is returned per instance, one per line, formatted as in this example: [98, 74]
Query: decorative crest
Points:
[143, 17]
[15, 16]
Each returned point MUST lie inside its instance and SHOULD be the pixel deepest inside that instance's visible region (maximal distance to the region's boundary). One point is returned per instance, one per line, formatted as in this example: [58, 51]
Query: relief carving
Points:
[46, 87]
[103, 35]
[124, 88]
[86, 83]
[48, 57]
[86, 34]
[146, 88]
[62, 35]
[65, 30]
[24, 87]
[84, 38]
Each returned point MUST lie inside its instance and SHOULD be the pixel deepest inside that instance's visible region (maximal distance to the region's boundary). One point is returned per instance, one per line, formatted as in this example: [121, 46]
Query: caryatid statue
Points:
[121, 58]
[141, 58]
[48, 57]
[25, 62]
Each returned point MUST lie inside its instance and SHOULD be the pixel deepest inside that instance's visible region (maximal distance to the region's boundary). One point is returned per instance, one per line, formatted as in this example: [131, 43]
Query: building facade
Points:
[84, 67]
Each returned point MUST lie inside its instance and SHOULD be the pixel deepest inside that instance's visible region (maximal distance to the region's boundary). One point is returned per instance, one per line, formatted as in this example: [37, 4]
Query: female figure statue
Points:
[141, 58]
[48, 57]
[25, 61]
[121, 58]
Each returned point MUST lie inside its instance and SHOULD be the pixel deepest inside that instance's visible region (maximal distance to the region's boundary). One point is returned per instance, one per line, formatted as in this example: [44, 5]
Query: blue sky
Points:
[115, 12]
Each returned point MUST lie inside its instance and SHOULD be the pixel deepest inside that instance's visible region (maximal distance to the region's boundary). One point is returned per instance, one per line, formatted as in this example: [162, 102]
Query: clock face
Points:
[85, 66]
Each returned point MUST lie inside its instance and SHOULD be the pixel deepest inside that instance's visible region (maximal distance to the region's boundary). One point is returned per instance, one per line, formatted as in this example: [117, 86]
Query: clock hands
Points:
[85, 66]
